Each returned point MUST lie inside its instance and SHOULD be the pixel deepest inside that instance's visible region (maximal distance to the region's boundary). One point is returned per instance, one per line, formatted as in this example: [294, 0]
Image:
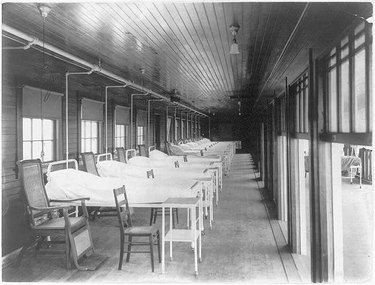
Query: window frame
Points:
[335, 54]
[124, 137]
[140, 134]
[54, 138]
[83, 134]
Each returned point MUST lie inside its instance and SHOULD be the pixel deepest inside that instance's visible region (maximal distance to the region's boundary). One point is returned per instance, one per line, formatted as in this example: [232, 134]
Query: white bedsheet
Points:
[71, 184]
[167, 174]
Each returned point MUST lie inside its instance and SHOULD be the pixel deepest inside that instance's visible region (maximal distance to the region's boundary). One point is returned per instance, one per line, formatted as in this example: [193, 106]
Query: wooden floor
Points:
[241, 247]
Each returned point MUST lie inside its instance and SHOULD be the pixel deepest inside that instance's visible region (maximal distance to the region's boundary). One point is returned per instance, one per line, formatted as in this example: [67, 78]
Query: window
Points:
[183, 130]
[121, 133]
[299, 93]
[348, 83]
[90, 136]
[38, 139]
[177, 129]
[140, 135]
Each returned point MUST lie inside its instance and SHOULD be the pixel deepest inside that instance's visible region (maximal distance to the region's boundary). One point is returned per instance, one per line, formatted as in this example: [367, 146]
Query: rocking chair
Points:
[44, 224]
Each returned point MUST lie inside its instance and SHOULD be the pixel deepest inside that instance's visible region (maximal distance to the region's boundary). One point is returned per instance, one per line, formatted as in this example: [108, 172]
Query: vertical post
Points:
[209, 127]
[148, 122]
[317, 262]
[66, 119]
[105, 121]
[166, 125]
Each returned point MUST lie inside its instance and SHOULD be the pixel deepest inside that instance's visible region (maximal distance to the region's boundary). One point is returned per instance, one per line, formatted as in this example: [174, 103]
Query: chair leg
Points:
[173, 219]
[152, 251]
[177, 215]
[67, 251]
[129, 248]
[121, 253]
[23, 250]
[156, 211]
[151, 216]
[158, 240]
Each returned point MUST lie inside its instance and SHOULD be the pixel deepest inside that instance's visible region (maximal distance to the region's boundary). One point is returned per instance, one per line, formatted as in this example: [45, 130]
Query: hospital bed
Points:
[165, 172]
[158, 159]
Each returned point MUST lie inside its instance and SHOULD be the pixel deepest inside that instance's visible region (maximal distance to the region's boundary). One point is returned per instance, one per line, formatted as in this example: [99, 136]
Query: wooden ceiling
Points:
[185, 46]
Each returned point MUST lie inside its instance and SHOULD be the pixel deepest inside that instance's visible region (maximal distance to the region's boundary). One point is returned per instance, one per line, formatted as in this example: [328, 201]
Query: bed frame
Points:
[104, 156]
[151, 148]
[62, 164]
[129, 153]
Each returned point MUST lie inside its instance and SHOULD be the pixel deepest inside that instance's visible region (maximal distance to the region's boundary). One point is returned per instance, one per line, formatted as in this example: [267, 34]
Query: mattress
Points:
[71, 184]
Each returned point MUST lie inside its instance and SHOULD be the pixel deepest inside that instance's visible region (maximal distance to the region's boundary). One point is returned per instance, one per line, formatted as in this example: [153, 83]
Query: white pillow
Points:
[140, 161]
[157, 154]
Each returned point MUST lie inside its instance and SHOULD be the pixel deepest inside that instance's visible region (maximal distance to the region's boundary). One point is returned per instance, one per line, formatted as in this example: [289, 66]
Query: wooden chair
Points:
[45, 221]
[142, 150]
[157, 211]
[128, 230]
[89, 165]
[121, 154]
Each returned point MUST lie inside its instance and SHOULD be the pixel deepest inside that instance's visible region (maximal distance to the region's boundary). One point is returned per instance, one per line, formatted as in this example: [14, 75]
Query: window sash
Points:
[33, 145]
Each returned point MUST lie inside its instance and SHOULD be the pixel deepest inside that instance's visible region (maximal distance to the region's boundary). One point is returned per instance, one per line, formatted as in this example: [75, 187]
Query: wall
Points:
[15, 229]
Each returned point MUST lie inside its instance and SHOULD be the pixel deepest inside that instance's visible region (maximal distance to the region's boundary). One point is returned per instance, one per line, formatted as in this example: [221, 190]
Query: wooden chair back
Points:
[150, 173]
[34, 190]
[142, 150]
[121, 154]
[89, 164]
[121, 201]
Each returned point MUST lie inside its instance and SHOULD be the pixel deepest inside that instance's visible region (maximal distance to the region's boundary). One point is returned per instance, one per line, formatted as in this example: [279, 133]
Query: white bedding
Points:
[71, 184]
[167, 174]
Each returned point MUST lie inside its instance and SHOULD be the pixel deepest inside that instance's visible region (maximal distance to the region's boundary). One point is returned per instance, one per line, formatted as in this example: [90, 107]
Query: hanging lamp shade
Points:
[234, 47]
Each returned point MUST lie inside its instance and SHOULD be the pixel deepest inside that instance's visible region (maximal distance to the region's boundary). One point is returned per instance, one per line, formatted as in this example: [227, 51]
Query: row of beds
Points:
[190, 169]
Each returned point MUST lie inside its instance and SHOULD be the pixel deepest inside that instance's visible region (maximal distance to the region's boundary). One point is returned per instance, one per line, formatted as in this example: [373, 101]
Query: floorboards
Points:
[241, 247]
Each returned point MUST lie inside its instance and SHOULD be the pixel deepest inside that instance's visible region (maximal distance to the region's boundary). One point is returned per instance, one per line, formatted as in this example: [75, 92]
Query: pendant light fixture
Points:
[44, 11]
[234, 47]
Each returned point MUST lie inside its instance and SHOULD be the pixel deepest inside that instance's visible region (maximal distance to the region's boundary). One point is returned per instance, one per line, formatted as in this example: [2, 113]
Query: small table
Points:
[191, 234]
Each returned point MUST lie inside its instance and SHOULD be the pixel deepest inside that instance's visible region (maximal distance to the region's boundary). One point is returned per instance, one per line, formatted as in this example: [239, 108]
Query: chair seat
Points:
[145, 230]
[59, 223]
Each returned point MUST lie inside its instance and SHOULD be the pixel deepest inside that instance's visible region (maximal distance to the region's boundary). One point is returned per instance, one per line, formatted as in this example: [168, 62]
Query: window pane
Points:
[359, 28]
[87, 129]
[370, 88]
[37, 149]
[94, 145]
[26, 129]
[297, 113]
[360, 40]
[83, 147]
[88, 145]
[332, 101]
[27, 150]
[48, 150]
[345, 101]
[37, 129]
[301, 111]
[47, 129]
[344, 51]
[94, 129]
[306, 110]
[360, 91]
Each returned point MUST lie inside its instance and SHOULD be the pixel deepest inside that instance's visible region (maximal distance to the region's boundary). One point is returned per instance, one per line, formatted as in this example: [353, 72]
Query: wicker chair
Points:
[89, 166]
[45, 222]
[128, 230]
